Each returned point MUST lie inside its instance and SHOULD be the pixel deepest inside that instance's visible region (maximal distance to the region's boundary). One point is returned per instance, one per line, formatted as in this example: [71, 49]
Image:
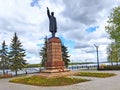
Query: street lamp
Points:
[97, 56]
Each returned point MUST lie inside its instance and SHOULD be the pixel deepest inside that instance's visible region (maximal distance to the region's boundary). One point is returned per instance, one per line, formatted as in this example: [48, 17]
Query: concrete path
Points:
[111, 83]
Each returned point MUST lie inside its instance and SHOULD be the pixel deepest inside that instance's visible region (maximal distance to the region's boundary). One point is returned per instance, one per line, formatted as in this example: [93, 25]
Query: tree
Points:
[4, 63]
[43, 52]
[113, 28]
[112, 54]
[65, 55]
[16, 54]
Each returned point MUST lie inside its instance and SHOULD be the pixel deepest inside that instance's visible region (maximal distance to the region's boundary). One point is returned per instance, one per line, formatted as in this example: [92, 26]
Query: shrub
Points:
[109, 67]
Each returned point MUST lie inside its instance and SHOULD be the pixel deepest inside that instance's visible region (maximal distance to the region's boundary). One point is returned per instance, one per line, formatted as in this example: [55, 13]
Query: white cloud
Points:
[34, 59]
[73, 18]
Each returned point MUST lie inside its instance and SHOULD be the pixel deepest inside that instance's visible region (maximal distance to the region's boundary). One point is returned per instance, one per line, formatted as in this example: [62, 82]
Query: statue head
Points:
[52, 13]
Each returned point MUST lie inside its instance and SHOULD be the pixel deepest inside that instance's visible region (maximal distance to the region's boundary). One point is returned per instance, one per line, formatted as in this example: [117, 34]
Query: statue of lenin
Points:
[52, 22]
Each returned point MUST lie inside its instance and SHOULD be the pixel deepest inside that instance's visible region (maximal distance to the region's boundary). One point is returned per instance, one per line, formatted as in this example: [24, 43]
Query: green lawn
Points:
[95, 74]
[35, 80]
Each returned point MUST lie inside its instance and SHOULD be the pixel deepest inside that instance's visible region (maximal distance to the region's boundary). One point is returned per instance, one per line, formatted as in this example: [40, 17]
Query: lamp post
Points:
[97, 56]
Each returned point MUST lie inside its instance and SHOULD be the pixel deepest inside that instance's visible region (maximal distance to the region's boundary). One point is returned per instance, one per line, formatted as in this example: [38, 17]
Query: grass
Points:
[95, 74]
[38, 81]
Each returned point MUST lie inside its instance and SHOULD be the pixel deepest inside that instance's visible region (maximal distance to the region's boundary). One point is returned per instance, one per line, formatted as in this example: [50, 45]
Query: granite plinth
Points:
[54, 61]
[54, 54]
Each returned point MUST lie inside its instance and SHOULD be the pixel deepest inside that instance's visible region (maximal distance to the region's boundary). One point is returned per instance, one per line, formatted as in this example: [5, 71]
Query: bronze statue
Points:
[52, 22]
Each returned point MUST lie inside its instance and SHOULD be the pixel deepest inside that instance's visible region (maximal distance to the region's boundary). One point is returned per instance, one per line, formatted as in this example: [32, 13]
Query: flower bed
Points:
[6, 76]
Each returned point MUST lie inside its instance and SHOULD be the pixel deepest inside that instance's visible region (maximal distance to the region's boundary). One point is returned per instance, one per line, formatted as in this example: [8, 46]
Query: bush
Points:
[109, 67]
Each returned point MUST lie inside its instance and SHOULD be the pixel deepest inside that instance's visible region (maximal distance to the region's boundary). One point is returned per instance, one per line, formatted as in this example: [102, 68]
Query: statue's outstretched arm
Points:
[48, 12]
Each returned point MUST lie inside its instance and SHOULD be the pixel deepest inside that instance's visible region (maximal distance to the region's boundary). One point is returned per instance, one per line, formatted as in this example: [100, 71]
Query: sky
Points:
[80, 25]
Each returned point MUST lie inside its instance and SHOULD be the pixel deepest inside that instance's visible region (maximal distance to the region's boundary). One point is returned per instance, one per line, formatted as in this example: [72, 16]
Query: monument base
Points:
[54, 66]
[55, 70]
[54, 63]
[55, 75]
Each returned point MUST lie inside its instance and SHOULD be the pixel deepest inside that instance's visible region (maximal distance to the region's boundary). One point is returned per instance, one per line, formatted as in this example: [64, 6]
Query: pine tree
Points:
[4, 63]
[17, 55]
[65, 55]
[43, 52]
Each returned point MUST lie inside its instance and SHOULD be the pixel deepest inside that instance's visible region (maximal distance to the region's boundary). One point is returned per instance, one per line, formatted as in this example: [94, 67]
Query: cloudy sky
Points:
[80, 23]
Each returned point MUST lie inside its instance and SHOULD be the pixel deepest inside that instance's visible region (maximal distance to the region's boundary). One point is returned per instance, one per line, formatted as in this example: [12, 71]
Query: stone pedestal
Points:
[54, 62]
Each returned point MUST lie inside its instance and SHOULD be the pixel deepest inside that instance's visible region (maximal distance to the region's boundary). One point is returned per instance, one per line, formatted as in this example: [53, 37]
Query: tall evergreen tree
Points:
[113, 28]
[65, 55]
[17, 55]
[43, 52]
[4, 62]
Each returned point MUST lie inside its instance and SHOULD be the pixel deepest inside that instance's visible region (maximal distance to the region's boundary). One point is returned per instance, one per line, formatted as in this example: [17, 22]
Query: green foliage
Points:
[16, 55]
[36, 80]
[4, 62]
[113, 28]
[113, 67]
[113, 53]
[65, 55]
[43, 52]
[95, 74]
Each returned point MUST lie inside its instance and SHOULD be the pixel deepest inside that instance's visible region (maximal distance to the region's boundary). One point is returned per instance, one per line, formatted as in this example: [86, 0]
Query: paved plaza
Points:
[111, 83]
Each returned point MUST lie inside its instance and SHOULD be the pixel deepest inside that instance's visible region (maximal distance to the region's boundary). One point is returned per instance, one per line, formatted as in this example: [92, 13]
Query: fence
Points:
[36, 70]
[82, 67]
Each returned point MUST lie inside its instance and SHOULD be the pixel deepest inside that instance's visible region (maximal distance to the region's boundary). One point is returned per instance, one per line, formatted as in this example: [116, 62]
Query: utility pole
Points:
[97, 56]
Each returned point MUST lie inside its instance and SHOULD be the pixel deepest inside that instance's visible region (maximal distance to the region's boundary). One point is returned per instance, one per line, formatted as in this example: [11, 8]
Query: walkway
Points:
[111, 83]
